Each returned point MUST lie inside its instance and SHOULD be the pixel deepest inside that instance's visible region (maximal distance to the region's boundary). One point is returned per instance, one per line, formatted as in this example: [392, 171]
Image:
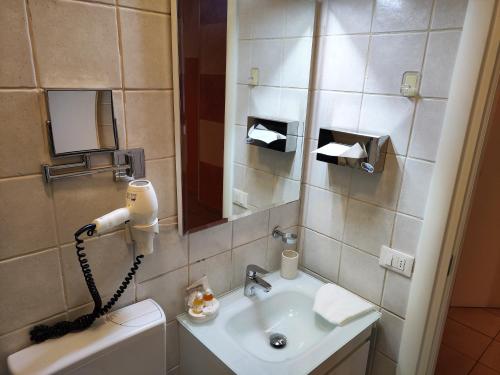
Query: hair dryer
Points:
[140, 213]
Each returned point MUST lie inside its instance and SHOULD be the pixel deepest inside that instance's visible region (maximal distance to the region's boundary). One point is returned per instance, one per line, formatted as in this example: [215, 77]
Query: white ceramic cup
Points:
[289, 264]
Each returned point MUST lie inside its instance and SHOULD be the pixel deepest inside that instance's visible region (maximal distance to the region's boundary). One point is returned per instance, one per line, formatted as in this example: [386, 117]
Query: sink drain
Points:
[277, 341]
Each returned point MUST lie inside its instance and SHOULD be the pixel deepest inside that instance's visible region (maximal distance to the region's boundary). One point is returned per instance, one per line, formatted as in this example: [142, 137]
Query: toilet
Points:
[127, 341]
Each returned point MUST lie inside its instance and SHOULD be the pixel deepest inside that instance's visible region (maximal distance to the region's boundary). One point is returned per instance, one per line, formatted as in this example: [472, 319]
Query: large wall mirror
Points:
[244, 68]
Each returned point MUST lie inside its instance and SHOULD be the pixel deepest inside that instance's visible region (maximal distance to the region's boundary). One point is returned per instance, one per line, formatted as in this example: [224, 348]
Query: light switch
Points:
[410, 83]
[396, 261]
[254, 77]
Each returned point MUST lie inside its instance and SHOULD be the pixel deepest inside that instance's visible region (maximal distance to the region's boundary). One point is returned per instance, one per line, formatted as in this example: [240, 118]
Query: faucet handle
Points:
[253, 269]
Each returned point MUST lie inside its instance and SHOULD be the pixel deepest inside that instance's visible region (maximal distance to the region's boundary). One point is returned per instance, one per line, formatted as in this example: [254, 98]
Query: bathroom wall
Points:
[275, 37]
[362, 50]
[125, 47]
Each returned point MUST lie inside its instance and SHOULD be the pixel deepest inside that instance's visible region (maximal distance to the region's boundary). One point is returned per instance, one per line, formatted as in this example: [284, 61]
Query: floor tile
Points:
[464, 339]
[451, 362]
[491, 357]
[480, 369]
[476, 318]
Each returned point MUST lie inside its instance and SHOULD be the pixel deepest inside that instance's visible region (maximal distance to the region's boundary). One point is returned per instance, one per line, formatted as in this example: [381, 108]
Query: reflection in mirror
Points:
[81, 121]
[242, 113]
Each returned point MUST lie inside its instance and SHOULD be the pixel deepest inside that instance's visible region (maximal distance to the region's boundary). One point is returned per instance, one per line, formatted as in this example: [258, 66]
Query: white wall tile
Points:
[449, 14]
[170, 253]
[321, 254]
[268, 18]
[285, 190]
[31, 289]
[168, 290]
[267, 56]
[389, 115]
[293, 104]
[240, 147]
[296, 62]
[341, 62]
[209, 242]
[334, 110]
[324, 212]
[361, 274]
[325, 175]
[299, 18]
[240, 173]
[368, 227]
[406, 233]
[250, 228]
[396, 291]
[245, 17]
[242, 102]
[346, 16]
[390, 328]
[393, 15]
[285, 216]
[381, 188]
[439, 62]
[260, 187]
[217, 269]
[244, 61]
[390, 56]
[264, 101]
[251, 253]
[426, 132]
[416, 180]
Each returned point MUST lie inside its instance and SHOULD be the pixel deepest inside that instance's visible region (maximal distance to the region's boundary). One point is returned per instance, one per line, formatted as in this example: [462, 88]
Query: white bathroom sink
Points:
[239, 336]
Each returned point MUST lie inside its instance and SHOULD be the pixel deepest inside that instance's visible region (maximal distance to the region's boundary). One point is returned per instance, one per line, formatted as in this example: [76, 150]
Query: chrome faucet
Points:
[253, 281]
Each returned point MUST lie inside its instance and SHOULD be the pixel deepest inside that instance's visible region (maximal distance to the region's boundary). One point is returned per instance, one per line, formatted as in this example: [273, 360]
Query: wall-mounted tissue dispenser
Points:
[354, 150]
[272, 133]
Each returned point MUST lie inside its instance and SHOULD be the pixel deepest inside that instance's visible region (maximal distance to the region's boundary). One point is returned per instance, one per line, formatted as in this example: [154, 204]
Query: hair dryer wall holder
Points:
[127, 165]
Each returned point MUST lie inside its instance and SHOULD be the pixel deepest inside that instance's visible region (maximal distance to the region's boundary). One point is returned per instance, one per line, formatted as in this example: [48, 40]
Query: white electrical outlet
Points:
[396, 261]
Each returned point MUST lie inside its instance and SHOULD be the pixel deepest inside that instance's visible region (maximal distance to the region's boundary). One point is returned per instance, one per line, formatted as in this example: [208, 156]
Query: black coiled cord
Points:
[43, 332]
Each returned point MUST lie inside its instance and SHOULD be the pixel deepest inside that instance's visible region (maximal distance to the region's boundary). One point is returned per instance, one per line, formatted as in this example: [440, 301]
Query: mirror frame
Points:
[53, 153]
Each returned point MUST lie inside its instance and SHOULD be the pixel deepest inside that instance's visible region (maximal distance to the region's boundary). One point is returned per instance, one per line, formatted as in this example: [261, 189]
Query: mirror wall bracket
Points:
[127, 165]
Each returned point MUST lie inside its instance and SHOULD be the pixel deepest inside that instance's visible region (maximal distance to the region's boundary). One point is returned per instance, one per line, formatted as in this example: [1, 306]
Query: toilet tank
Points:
[127, 341]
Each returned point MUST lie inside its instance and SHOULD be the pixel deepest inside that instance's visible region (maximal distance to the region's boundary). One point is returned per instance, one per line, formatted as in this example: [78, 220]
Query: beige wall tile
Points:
[170, 253]
[109, 257]
[26, 216]
[80, 200]
[167, 290]
[155, 5]
[146, 49]
[217, 269]
[161, 173]
[23, 143]
[150, 122]
[76, 44]
[31, 290]
[16, 64]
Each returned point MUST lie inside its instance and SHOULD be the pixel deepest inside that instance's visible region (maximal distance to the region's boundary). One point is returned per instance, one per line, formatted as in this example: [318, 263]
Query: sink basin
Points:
[240, 335]
[289, 313]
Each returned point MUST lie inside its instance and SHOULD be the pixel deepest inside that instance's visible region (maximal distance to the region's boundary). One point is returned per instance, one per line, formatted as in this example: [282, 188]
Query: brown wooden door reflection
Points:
[202, 66]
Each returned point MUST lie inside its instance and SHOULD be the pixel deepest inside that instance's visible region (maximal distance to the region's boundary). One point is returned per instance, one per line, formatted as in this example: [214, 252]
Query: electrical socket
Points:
[396, 261]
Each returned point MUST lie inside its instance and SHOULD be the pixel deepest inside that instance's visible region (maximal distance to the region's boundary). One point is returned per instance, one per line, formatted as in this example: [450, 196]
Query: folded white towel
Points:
[338, 305]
